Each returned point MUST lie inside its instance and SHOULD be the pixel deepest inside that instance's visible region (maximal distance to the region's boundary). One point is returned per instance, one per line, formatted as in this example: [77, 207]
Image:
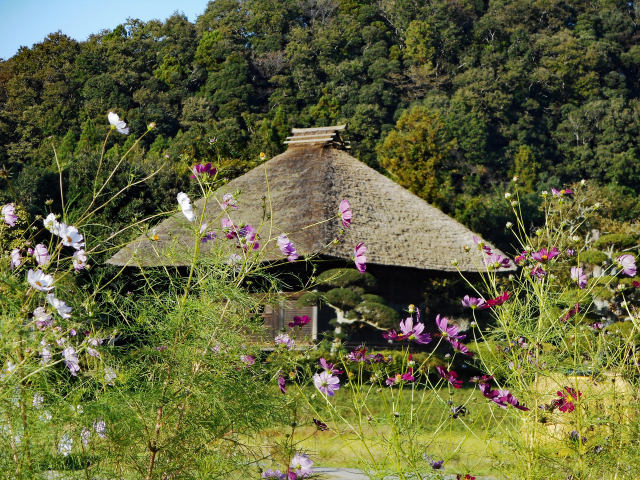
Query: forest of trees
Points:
[451, 98]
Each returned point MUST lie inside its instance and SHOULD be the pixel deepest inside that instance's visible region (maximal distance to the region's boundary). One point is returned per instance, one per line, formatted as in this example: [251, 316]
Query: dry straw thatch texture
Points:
[305, 185]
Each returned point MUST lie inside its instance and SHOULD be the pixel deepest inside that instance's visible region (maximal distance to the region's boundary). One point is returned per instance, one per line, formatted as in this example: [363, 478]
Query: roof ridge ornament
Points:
[318, 136]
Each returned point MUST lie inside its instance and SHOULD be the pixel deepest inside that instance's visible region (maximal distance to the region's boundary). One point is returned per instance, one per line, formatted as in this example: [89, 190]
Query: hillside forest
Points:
[450, 98]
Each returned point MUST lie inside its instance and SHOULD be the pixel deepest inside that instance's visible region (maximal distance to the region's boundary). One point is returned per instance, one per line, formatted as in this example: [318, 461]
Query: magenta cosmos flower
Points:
[502, 398]
[627, 263]
[327, 384]
[499, 300]
[565, 192]
[299, 321]
[449, 376]
[9, 214]
[568, 398]
[572, 311]
[287, 248]
[407, 377]
[543, 255]
[538, 272]
[360, 258]
[203, 169]
[578, 276]
[345, 213]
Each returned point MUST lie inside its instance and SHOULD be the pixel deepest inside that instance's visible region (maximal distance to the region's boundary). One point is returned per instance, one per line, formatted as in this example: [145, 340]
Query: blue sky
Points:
[25, 22]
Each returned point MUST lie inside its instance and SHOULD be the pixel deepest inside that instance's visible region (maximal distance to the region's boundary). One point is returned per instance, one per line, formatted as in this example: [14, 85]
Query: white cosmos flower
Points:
[40, 280]
[71, 237]
[118, 124]
[51, 224]
[62, 308]
[79, 260]
[185, 206]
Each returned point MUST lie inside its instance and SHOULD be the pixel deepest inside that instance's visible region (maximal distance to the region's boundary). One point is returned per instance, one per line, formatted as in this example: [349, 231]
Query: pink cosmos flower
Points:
[360, 258]
[71, 360]
[448, 331]
[228, 201]
[538, 272]
[79, 260]
[449, 376]
[9, 214]
[578, 275]
[326, 383]
[473, 302]
[301, 466]
[416, 332]
[203, 169]
[345, 213]
[282, 384]
[16, 258]
[247, 236]
[42, 318]
[565, 192]
[268, 473]
[286, 340]
[481, 246]
[494, 261]
[359, 355]
[543, 255]
[41, 254]
[248, 359]
[299, 321]
[627, 263]
[460, 347]
[329, 367]
[596, 326]
[287, 248]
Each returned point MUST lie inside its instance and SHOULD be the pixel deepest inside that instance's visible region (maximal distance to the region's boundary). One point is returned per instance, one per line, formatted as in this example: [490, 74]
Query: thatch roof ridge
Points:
[304, 186]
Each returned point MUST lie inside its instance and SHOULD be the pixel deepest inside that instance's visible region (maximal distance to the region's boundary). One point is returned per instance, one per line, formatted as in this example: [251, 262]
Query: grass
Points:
[468, 443]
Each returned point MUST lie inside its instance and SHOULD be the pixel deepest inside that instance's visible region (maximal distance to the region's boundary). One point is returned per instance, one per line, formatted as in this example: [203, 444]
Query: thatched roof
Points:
[305, 185]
